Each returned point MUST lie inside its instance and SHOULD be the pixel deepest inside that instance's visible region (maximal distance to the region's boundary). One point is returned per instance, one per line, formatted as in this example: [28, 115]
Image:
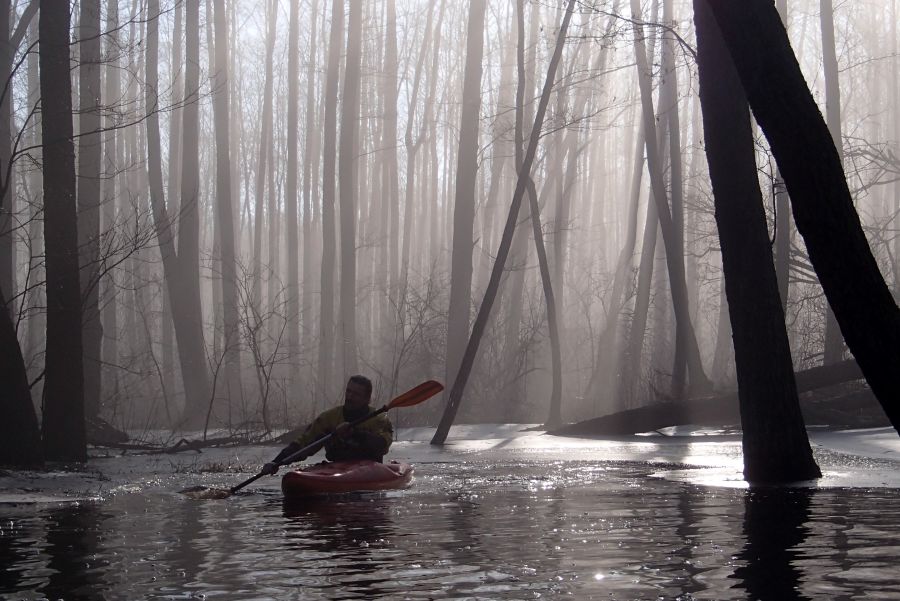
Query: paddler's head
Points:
[358, 394]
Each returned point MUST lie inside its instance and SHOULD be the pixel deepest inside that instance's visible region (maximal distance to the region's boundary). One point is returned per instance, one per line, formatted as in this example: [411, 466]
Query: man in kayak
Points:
[369, 440]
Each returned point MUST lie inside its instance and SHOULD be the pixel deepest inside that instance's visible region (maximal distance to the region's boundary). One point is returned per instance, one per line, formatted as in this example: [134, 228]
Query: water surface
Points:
[479, 522]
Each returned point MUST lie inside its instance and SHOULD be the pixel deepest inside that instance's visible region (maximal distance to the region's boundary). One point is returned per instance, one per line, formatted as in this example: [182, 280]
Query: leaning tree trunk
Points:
[468, 358]
[782, 214]
[775, 444]
[821, 201]
[464, 203]
[674, 260]
[63, 426]
[20, 437]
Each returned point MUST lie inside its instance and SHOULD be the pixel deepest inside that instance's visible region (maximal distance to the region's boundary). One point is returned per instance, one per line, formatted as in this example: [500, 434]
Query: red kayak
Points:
[346, 476]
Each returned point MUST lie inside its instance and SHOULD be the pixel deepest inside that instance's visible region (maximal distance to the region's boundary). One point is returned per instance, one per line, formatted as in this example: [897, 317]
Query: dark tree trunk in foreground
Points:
[20, 437]
[89, 161]
[468, 358]
[775, 444]
[63, 419]
[822, 205]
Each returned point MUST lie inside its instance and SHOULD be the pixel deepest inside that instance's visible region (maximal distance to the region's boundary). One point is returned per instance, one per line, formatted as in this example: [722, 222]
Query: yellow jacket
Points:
[368, 440]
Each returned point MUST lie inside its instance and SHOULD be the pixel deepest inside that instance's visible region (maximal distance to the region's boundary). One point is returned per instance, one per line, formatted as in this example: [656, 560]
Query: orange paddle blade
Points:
[414, 396]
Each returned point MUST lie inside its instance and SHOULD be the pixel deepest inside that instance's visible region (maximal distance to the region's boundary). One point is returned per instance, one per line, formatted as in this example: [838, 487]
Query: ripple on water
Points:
[464, 530]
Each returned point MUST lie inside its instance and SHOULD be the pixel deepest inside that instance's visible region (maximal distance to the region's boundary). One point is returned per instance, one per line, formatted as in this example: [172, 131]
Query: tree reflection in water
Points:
[775, 527]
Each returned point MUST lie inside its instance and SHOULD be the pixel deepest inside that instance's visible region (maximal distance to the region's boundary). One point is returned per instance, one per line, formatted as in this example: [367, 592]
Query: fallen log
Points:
[723, 409]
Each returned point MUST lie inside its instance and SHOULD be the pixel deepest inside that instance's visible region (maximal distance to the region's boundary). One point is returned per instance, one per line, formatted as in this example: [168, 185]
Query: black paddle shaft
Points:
[296, 454]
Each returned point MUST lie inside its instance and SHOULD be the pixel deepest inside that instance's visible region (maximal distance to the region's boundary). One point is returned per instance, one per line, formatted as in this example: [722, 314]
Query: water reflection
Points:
[775, 527]
[343, 537]
[476, 531]
[74, 541]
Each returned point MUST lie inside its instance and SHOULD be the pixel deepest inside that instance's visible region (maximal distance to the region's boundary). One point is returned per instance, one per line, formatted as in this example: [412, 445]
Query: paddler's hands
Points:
[343, 430]
[269, 469]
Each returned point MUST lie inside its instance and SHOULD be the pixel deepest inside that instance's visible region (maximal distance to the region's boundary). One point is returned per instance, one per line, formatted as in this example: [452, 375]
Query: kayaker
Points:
[368, 440]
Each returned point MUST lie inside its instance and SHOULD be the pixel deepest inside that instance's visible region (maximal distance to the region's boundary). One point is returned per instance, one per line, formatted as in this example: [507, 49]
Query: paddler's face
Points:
[356, 396]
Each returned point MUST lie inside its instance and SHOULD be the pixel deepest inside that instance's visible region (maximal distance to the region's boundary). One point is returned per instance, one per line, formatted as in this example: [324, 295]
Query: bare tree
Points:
[468, 358]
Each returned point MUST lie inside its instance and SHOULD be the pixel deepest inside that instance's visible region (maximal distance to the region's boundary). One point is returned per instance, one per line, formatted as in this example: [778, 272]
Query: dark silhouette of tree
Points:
[820, 198]
[63, 427]
[775, 444]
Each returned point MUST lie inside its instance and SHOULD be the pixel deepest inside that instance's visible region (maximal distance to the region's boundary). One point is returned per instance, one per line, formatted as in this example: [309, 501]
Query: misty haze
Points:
[593, 298]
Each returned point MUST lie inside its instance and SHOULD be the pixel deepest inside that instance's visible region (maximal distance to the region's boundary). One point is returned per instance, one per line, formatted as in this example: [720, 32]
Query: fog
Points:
[290, 198]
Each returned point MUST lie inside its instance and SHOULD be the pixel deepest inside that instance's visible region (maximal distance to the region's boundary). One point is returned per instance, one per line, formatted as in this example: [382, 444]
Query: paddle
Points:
[411, 397]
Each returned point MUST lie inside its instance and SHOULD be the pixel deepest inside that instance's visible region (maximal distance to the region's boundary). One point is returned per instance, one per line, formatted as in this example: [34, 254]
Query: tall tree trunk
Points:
[326, 313]
[265, 147]
[309, 174]
[834, 347]
[7, 192]
[895, 103]
[468, 358]
[775, 444]
[347, 176]
[676, 185]
[35, 339]
[63, 425]
[389, 217]
[189, 324]
[89, 162]
[820, 198]
[464, 203]
[674, 260]
[225, 209]
[290, 197]
[174, 184]
[782, 213]
[112, 152]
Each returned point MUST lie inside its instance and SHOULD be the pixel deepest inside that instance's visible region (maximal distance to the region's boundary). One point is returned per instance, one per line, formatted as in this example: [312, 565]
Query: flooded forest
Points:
[215, 211]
